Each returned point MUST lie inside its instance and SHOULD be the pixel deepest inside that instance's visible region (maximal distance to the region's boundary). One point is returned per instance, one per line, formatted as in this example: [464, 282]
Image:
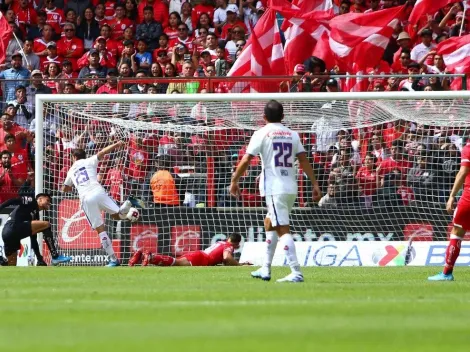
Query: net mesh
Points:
[386, 168]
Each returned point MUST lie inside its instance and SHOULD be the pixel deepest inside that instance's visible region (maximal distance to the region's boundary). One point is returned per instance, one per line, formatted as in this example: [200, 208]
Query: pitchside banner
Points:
[366, 253]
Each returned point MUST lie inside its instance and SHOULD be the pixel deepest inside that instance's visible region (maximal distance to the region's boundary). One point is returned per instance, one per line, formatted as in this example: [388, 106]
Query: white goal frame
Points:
[136, 98]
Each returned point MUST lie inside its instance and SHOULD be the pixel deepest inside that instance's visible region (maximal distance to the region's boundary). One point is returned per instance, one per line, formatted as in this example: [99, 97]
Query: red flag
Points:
[358, 40]
[5, 36]
[425, 7]
[323, 51]
[263, 54]
[455, 52]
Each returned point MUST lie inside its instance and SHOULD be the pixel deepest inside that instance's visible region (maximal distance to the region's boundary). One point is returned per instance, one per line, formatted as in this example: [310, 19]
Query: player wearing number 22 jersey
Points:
[278, 147]
[219, 253]
[461, 217]
[93, 198]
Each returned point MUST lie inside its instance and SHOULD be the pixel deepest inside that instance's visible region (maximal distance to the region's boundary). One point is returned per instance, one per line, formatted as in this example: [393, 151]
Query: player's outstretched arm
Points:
[307, 168]
[13, 201]
[241, 169]
[229, 260]
[458, 183]
[109, 149]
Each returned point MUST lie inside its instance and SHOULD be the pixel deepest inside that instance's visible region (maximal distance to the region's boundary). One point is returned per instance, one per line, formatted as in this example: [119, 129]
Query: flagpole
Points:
[463, 18]
[22, 49]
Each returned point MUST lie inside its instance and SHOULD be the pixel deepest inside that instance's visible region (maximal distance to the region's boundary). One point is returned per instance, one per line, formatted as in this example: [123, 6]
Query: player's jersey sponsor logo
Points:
[68, 222]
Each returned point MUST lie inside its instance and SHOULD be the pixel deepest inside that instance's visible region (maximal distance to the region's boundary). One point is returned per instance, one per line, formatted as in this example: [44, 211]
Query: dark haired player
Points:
[83, 174]
[24, 222]
[278, 147]
[461, 216]
[219, 253]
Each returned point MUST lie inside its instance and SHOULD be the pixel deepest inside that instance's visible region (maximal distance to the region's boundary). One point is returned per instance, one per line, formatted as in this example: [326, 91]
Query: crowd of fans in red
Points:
[85, 46]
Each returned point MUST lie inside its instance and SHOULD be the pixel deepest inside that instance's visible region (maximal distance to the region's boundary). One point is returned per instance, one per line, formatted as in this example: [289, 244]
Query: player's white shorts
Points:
[94, 203]
[279, 208]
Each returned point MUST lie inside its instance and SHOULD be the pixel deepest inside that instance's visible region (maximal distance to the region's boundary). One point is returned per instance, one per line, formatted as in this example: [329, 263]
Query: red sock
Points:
[452, 253]
[162, 260]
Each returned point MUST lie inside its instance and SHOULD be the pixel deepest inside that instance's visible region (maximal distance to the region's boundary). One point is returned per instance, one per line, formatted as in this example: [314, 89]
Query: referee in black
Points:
[24, 222]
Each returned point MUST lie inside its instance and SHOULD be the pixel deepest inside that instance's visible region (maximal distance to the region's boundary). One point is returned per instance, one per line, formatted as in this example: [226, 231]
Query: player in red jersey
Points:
[219, 253]
[461, 216]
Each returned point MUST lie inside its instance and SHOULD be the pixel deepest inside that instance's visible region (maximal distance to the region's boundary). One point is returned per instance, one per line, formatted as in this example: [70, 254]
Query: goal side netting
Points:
[386, 163]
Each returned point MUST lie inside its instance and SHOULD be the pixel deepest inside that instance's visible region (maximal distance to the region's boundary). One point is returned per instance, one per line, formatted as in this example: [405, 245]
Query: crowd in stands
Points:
[79, 46]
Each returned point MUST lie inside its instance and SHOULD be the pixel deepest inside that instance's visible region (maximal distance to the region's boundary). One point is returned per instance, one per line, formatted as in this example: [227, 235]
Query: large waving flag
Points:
[263, 54]
[5, 36]
[455, 52]
[358, 40]
[425, 7]
[305, 23]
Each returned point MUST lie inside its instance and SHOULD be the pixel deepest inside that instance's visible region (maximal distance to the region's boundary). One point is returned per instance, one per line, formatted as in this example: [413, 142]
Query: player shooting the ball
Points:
[219, 253]
[93, 198]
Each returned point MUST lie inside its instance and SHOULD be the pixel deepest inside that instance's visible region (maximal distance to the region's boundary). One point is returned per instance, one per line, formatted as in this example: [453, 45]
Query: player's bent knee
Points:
[39, 226]
[458, 231]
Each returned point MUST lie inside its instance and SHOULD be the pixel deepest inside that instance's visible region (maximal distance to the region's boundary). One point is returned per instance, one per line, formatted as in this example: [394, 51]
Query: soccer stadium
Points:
[237, 175]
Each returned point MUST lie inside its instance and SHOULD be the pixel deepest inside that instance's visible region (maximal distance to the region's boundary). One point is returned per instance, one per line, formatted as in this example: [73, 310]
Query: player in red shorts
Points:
[219, 253]
[461, 216]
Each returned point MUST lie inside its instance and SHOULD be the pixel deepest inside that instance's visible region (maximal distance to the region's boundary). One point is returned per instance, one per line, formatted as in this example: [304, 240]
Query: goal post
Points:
[385, 161]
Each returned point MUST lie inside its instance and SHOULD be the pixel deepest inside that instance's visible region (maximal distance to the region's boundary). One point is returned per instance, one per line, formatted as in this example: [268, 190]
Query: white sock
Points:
[107, 245]
[289, 250]
[124, 209]
[271, 244]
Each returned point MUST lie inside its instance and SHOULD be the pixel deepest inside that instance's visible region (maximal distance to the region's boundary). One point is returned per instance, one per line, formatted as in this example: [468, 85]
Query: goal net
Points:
[385, 162]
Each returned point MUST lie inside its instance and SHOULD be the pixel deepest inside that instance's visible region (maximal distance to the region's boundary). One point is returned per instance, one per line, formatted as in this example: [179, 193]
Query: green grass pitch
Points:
[224, 309]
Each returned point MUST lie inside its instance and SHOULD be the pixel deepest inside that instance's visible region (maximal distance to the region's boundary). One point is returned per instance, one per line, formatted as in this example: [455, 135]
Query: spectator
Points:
[19, 158]
[159, 11]
[30, 59]
[366, 179]
[111, 45]
[35, 31]
[110, 87]
[204, 22]
[14, 46]
[412, 83]
[25, 16]
[404, 41]
[119, 23]
[298, 83]
[24, 108]
[329, 200]
[401, 65]
[37, 86]
[93, 67]
[422, 179]
[175, 5]
[142, 58]
[396, 161]
[163, 184]
[203, 8]
[127, 53]
[174, 21]
[420, 50]
[374, 6]
[186, 11]
[52, 56]
[99, 14]
[232, 21]
[71, 16]
[17, 74]
[55, 16]
[170, 70]
[139, 162]
[53, 74]
[447, 167]
[185, 87]
[41, 44]
[344, 8]
[220, 15]
[222, 66]
[8, 126]
[183, 38]
[10, 180]
[149, 30]
[50, 126]
[89, 29]
[131, 10]
[237, 35]
[139, 88]
[70, 47]
[79, 6]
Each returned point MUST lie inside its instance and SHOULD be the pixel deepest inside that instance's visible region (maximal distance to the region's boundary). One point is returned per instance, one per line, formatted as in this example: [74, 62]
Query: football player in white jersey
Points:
[278, 146]
[93, 198]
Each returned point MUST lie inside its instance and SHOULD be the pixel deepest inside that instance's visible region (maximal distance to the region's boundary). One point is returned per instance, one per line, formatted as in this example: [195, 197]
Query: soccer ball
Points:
[133, 215]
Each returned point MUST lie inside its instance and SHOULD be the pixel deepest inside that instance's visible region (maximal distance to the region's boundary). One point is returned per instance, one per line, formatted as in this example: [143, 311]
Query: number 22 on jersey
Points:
[283, 154]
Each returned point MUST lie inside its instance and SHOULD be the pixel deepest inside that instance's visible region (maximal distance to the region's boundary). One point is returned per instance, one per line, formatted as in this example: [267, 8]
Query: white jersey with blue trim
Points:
[278, 147]
[84, 176]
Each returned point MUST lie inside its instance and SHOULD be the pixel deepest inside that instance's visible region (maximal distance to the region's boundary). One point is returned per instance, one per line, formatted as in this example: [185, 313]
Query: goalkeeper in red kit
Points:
[461, 216]
[219, 253]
